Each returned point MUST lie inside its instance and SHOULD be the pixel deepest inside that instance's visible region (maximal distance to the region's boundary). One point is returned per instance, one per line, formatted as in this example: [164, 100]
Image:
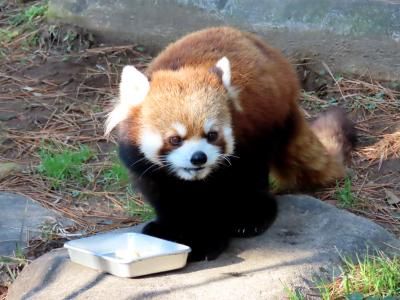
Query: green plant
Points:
[345, 195]
[26, 22]
[49, 230]
[373, 277]
[273, 183]
[65, 165]
[7, 35]
[293, 295]
[67, 38]
[133, 208]
[116, 175]
[29, 14]
[144, 211]
[11, 266]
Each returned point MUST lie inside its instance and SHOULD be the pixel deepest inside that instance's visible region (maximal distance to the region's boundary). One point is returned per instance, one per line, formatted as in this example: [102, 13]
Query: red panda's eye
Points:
[212, 136]
[175, 140]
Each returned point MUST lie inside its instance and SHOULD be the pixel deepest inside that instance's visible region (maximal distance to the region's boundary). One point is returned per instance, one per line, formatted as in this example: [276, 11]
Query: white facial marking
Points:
[208, 125]
[150, 144]
[180, 129]
[229, 139]
[180, 159]
[224, 65]
[133, 89]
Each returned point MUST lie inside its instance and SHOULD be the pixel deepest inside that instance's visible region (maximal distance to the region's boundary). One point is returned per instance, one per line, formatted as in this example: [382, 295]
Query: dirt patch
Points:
[63, 102]
[3, 292]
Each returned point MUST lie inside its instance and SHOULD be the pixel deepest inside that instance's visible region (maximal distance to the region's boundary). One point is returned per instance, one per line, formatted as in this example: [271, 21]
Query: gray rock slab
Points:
[357, 36]
[20, 220]
[305, 240]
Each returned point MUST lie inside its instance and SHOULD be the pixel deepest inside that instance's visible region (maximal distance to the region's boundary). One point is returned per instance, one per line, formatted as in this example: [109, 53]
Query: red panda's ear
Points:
[224, 66]
[223, 70]
[133, 90]
[134, 86]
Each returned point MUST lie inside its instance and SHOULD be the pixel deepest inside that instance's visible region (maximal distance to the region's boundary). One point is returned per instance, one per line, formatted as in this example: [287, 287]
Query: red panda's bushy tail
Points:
[336, 132]
[317, 154]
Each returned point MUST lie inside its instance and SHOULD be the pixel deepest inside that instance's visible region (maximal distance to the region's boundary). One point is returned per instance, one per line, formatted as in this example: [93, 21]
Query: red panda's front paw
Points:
[209, 250]
[201, 256]
[252, 225]
[255, 218]
[248, 230]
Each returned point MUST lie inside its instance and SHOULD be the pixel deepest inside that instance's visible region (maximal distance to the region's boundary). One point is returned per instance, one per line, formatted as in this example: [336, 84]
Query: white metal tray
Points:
[128, 254]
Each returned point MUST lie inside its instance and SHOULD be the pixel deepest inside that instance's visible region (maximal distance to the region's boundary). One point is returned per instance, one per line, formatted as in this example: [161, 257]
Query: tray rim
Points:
[186, 249]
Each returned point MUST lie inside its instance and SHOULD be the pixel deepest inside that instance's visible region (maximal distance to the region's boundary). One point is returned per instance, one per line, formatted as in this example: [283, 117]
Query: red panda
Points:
[201, 130]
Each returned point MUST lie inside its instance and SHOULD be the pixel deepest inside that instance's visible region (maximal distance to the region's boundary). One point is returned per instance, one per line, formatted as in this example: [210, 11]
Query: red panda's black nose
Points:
[198, 158]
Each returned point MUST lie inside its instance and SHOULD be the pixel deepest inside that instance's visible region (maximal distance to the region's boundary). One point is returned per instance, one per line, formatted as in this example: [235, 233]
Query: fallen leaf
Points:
[8, 168]
[391, 197]
[27, 88]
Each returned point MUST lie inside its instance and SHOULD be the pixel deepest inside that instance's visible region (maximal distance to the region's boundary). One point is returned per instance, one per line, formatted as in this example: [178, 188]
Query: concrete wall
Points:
[351, 36]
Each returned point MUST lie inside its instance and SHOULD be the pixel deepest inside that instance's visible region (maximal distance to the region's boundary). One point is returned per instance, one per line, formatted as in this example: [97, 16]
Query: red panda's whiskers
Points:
[226, 159]
[148, 169]
[231, 155]
[159, 168]
[165, 164]
[139, 160]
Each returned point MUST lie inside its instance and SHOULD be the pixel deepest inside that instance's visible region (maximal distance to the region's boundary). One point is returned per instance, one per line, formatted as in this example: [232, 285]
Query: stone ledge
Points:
[305, 240]
[356, 37]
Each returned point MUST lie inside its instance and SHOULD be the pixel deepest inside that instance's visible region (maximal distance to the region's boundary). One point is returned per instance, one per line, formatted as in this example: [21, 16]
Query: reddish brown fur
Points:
[267, 82]
[306, 163]
[268, 93]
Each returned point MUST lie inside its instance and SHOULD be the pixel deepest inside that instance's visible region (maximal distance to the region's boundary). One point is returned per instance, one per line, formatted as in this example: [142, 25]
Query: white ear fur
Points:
[134, 86]
[224, 65]
[117, 115]
[133, 90]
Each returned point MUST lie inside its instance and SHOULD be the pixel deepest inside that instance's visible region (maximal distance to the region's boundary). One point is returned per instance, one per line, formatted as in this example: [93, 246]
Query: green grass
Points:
[115, 176]
[7, 35]
[370, 278]
[58, 166]
[64, 36]
[293, 295]
[26, 23]
[344, 194]
[145, 212]
[28, 15]
[373, 276]
[133, 209]
[11, 266]
[273, 183]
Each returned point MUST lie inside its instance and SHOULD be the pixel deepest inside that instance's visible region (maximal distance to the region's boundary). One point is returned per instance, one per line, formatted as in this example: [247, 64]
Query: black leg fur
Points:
[232, 201]
[256, 216]
[206, 245]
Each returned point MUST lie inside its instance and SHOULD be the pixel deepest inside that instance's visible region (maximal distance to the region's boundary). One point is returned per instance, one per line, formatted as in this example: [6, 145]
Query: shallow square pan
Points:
[128, 254]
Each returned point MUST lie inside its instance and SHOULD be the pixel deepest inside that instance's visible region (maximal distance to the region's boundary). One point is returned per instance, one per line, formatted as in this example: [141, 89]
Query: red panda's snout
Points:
[197, 157]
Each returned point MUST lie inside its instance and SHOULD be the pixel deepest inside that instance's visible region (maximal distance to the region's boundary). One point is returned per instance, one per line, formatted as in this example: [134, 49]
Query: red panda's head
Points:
[182, 120]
